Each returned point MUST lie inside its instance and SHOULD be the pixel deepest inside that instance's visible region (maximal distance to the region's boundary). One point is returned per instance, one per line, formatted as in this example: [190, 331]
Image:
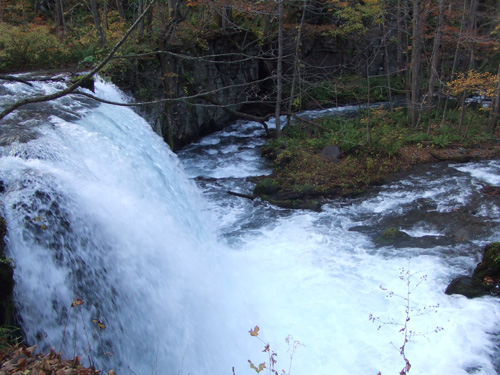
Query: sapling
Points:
[410, 312]
[271, 361]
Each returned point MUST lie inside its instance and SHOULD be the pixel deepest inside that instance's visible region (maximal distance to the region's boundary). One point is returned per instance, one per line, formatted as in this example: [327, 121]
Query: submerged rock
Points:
[392, 236]
[485, 279]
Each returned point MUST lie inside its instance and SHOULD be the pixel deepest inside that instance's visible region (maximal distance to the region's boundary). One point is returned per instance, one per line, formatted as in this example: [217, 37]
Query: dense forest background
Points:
[212, 61]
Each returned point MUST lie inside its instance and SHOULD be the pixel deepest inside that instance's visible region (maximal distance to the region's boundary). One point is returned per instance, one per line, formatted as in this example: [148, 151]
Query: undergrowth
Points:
[370, 141]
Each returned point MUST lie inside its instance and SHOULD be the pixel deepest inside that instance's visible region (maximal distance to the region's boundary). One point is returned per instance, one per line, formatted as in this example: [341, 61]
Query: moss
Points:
[391, 235]
[490, 265]
[267, 186]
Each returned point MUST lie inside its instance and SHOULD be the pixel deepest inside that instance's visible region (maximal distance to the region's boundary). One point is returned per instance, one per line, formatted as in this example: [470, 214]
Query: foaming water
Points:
[98, 208]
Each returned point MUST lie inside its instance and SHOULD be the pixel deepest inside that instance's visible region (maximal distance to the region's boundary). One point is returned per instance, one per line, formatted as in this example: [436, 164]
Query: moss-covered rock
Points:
[267, 186]
[391, 236]
[485, 279]
[490, 264]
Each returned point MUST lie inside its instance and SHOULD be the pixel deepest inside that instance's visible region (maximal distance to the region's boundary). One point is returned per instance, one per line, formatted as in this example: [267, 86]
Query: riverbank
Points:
[340, 161]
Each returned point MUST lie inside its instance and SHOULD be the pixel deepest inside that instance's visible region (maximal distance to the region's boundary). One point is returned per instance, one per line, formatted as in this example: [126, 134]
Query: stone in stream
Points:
[485, 279]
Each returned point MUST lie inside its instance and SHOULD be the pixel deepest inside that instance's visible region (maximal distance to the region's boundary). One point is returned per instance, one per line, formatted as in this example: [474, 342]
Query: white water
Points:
[97, 207]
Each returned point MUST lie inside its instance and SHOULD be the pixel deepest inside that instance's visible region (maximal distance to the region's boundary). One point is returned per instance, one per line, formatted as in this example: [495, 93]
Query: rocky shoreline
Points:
[312, 196]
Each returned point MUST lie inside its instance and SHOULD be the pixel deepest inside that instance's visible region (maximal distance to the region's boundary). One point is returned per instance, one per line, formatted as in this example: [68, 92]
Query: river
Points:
[178, 271]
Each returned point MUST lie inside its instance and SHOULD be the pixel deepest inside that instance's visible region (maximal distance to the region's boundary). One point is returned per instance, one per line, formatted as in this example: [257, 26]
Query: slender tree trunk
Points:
[416, 81]
[226, 17]
[434, 62]
[97, 23]
[495, 107]
[296, 65]
[140, 27]
[119, 8]
[105, 16]
[279, 69]
[455, 59]
[60, 15]
[471, 31]
[368, 109]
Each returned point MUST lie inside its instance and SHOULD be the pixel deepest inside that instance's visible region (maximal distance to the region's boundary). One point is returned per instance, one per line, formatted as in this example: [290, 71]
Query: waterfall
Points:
[123, 260]
[99, 210]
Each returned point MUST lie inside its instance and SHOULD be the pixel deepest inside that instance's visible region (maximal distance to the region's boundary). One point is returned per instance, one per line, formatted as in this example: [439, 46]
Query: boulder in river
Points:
[485, 279]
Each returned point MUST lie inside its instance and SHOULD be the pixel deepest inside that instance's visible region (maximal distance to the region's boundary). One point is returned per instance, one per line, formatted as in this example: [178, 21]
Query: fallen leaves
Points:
[23, 360]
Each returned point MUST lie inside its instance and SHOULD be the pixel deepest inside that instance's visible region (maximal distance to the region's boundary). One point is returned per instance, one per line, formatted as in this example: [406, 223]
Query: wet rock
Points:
[485, 279]
[267, 186]
[467, 286]
[491, 190]
[490, 265]
[392, 236]
[7, 310]
[331, 153]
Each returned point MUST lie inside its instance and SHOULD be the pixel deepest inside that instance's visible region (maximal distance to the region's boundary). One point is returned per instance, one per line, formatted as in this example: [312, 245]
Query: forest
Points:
[306, 53]
[423, 79]
[194, 66]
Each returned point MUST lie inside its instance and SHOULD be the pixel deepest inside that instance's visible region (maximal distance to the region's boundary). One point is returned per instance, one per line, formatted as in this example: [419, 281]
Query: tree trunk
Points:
[279, 69]
[495, 107]
[119, 8]
[226, 17]
[296, 67]
[455, 59]
[140, 27]
[434, 61]
[60, 15]
[416, 79]
[97, 23]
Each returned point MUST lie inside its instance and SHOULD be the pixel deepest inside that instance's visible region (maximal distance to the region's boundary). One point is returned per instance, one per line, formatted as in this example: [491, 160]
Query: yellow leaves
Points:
[77, 302]
[99, 323]
[483, 84]
[355, 16]
[254, 332]
[261, 367]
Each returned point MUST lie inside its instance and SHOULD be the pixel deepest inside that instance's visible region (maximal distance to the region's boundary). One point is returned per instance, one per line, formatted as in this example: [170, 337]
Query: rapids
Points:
[179, 271]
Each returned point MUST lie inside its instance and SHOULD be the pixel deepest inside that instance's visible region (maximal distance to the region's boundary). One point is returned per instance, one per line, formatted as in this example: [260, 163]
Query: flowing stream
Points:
[178, 271]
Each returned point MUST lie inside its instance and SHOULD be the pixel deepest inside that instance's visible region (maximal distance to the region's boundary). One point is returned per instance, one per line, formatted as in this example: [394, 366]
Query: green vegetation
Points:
[9, 336]
[375, 143]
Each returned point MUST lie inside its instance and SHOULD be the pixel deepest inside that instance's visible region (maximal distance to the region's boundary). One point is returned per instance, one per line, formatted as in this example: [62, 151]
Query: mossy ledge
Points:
[304, 179]
[485, 279]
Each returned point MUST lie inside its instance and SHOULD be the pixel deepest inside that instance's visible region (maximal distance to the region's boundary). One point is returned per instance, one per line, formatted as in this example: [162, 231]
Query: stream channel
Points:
[179, 271]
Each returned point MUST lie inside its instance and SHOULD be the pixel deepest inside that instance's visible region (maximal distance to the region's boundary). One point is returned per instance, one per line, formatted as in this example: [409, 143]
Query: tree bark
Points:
[119, 8]
[279, 69]
[296, 67]
[416, 52]
[495, 107]
[97, 23]
[434, 61]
